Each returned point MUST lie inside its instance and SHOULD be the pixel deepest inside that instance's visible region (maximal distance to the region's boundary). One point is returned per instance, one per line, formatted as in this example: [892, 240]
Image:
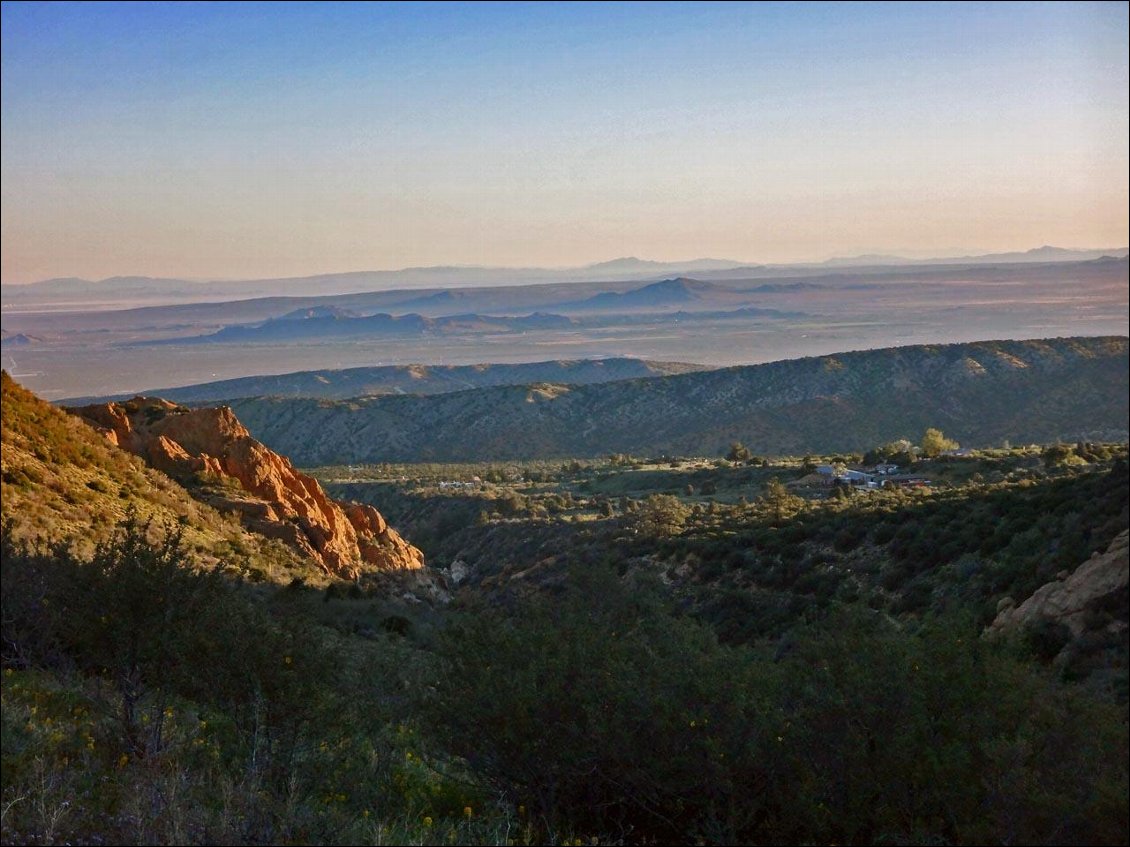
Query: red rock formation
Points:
[274, 499]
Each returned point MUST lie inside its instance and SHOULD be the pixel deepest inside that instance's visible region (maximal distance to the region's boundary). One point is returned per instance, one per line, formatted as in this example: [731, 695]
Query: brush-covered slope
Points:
[61, 480]
[414, 379]
[979, 393]
[209, 449]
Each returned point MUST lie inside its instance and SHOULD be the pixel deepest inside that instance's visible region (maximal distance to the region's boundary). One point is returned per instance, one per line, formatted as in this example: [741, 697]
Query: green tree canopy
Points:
[739, 452]
[934, 443]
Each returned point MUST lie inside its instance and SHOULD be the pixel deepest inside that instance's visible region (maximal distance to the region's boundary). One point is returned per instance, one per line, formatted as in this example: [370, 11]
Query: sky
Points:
[261, 140]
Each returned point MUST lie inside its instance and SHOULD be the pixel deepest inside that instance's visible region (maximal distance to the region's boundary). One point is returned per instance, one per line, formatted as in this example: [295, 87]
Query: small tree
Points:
[739, 452]
[661, 516]
[934, 443]
[778, 498]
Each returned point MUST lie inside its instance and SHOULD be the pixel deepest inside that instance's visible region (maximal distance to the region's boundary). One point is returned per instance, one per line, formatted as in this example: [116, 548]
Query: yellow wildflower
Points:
[467, 812]
[427, 820]
[123, 760]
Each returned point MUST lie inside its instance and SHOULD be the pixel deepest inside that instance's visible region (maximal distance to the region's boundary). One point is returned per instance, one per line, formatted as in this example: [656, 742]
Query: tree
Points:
[661, 516]
[934, 443]
[739, 452]
[779, 499]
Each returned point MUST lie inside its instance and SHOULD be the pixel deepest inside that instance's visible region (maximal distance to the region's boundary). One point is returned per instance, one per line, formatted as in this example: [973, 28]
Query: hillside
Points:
[979, 393]
[66, 478]
[211, 452]
[62, 480]
[621, 630]
[414, 379]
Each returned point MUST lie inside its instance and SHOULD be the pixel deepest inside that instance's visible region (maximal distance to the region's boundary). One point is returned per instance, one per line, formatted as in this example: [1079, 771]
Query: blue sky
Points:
[251, 140]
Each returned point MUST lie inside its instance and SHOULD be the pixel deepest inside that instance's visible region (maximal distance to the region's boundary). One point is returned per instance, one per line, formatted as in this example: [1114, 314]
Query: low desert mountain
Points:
[979, 393]
[342, 384]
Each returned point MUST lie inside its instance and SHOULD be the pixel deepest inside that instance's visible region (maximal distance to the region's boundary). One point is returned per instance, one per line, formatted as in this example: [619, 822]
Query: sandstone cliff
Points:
[237, 473]
[1067, 600]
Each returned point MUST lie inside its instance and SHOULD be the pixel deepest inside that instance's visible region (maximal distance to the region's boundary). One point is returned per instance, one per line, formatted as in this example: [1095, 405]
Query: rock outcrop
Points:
[1067, 600]
[234, 472]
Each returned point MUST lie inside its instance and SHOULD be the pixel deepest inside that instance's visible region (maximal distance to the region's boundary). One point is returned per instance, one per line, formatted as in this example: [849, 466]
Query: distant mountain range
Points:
[636, 307]
[1036, 254]
[979, 393]
[123, 288]
[343, 324]
[136, 289]
[409, 379]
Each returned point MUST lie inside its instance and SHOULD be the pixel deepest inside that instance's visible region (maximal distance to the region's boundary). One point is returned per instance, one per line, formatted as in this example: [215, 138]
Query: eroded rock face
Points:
[1067, 600]
[265, 490]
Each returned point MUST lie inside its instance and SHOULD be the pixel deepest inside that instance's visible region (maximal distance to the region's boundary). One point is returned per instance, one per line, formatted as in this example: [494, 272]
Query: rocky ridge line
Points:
[213, 449]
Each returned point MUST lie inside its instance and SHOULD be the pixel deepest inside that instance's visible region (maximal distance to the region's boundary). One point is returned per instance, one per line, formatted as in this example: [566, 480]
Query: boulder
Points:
[1067, 600]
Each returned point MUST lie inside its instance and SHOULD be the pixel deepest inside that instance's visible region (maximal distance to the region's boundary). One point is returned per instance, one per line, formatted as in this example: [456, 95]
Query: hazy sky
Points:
[257, 140]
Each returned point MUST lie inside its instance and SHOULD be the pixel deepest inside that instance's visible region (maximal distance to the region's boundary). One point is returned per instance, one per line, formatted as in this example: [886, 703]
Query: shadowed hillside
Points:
[979, 393]
[413, 379]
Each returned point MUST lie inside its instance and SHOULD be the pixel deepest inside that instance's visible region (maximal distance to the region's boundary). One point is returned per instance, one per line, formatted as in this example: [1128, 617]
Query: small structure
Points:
[908, 481]
[857, 478]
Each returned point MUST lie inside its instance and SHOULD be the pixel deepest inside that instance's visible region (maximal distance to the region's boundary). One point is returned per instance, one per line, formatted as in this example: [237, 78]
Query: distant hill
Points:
[139, 288]
[321, 324]
[1036, 254]
[980, 393]
[412, 379]
[19, 339]
[668, 292]
[318, 312]
[632, 265]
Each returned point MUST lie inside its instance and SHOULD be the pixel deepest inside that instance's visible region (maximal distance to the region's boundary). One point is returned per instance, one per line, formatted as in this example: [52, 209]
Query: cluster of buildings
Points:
[883, 475]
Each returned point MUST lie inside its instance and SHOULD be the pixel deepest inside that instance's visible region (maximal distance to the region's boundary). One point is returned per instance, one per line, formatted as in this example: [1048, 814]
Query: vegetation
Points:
[934, 443]
[629, 650]
[597, 712]
[61, 479]
[985, 392]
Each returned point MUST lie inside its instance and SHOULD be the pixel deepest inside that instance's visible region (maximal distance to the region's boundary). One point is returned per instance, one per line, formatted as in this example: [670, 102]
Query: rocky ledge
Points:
[1067, 600]
[226, 467]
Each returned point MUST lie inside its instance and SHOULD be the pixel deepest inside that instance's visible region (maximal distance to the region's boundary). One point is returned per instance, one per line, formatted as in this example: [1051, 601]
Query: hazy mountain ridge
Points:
[315, 325]
[1047, 253]
[980, 393]
[542, 296]
[82, 352]
[677, 291]
[341, 384]
[141, 287]
[349, 282]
